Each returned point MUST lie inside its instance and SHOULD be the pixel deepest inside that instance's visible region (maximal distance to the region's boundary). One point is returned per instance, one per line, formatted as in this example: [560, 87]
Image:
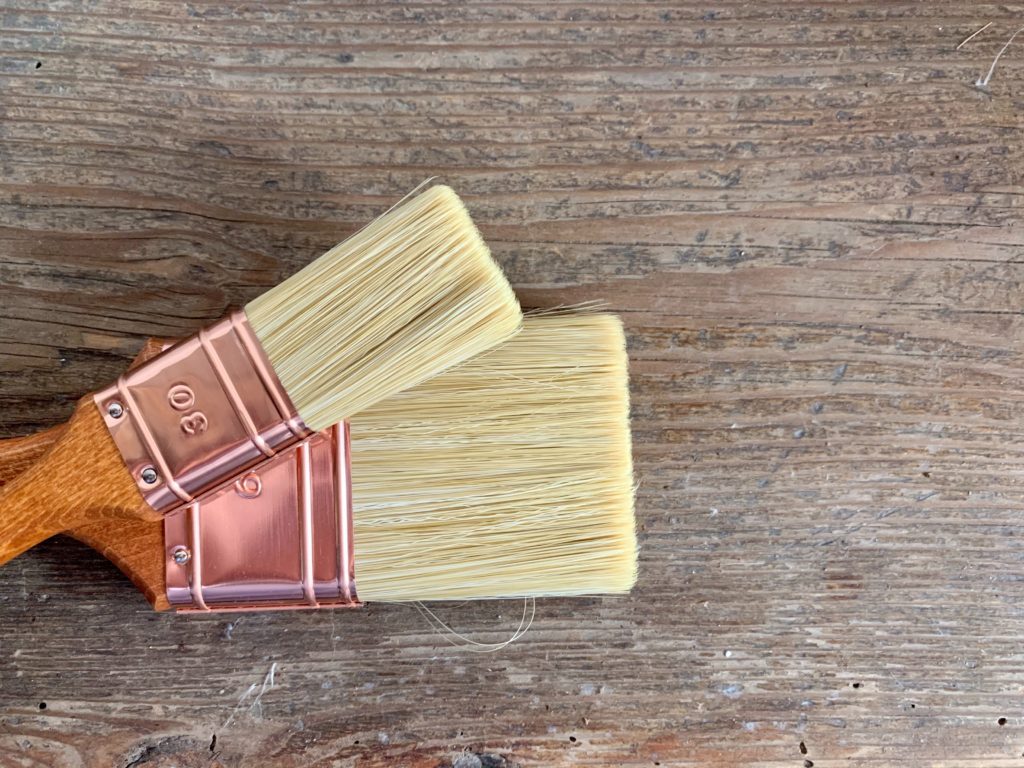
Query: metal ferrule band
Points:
[280, 536]
[199, 413]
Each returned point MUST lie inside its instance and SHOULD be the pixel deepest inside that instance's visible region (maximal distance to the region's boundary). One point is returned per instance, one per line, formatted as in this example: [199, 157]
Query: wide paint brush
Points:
[507, 476]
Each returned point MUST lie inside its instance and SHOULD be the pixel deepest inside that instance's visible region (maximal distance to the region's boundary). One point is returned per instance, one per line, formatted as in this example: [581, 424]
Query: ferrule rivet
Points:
[115, 410]
[149, 476]
[181, 555]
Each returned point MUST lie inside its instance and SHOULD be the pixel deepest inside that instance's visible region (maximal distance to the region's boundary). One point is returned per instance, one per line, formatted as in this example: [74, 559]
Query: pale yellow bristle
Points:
[403, 299]
[508, 476]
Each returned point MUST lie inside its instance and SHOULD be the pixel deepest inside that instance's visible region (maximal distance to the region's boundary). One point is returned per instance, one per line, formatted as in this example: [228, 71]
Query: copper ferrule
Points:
[200, 413]
[279, 536]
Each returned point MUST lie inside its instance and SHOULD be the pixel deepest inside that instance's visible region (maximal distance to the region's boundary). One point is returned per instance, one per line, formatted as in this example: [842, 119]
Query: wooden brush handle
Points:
[42, 505]
[81, 478]
[133, 545]
[136, 547]
[19, 453]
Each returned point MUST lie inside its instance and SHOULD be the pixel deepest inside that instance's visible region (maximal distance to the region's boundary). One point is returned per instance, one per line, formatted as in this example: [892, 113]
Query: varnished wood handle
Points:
[133, 544]
[19, 453]
[136, 547]
[79, 480]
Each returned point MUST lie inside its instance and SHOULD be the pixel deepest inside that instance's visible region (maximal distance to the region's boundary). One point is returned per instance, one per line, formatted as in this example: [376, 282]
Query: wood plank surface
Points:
[808, 215]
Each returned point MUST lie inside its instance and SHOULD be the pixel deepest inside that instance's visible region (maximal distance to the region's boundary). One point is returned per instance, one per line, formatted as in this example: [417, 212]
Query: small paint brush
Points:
[408, 296]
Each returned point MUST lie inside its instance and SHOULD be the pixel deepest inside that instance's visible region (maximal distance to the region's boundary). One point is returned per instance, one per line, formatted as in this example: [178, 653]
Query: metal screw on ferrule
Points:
[115, 410]
[181, 555]
[149, 476]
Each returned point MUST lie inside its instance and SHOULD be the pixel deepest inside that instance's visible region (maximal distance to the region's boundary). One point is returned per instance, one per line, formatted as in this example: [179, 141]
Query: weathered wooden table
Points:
[807, 214]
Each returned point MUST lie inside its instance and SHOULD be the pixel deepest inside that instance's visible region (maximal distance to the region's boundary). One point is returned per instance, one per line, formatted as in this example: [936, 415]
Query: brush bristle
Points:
[508, 476]
[403, 299]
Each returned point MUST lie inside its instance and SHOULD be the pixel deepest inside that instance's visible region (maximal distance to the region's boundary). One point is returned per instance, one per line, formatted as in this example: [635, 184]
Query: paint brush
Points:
[408, 296]
[507, 476]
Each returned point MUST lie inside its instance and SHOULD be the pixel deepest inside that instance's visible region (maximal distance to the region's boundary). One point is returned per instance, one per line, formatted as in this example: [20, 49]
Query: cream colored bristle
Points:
[508, 476]
[403, 299]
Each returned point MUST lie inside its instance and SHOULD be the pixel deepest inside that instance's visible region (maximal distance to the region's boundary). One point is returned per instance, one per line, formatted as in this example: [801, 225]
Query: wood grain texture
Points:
[17, 454]
[80, 480]
[134, 545]
[808, 216]
[131, 542]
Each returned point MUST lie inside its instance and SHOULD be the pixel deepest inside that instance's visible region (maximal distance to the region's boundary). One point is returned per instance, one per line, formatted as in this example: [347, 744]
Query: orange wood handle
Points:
[80, 479]
[19, 453]
[136, 547]
[51, 481]
[133, 545]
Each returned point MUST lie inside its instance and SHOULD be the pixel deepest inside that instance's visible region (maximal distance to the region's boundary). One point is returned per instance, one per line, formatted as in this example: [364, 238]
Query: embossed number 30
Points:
[181, 398]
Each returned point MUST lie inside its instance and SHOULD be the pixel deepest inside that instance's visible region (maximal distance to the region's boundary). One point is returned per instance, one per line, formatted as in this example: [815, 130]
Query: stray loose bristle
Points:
[508, 476]
[403, 299]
